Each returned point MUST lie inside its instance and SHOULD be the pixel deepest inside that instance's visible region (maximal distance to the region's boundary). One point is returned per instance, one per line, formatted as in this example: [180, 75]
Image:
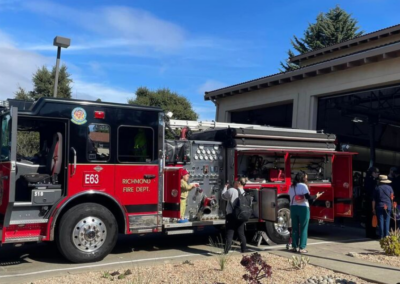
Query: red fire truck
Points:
[79, 173]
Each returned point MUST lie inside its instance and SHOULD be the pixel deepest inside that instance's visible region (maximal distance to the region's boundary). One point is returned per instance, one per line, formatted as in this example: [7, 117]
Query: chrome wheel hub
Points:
[89, 234]
[281, 226]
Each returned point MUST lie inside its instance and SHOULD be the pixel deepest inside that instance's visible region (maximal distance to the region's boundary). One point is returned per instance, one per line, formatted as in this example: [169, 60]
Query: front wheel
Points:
[278, 231]
[87, 233]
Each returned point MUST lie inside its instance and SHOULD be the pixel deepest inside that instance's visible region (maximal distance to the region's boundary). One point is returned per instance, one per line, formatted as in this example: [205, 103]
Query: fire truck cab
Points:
[79, 173]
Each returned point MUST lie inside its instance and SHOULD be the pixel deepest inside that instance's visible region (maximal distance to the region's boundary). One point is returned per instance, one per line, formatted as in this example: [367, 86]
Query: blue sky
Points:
[187, 46]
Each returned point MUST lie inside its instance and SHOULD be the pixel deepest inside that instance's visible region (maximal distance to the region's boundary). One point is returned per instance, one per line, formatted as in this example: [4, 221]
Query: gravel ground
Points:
[378, 257]
[206, 271]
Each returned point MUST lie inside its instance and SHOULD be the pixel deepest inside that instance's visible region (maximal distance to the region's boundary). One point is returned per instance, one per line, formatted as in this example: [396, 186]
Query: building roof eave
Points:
[375, 54]
[376, 35]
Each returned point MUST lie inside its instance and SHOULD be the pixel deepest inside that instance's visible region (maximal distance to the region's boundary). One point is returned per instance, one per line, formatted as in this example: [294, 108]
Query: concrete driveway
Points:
[27, 263]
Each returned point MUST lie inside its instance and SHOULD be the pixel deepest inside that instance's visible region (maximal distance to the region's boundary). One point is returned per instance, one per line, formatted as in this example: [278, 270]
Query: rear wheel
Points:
[278, 232]
[87, 233]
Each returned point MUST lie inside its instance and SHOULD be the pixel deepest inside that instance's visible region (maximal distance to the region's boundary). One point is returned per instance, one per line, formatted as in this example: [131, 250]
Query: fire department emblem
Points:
[78, 116]
[98, 168]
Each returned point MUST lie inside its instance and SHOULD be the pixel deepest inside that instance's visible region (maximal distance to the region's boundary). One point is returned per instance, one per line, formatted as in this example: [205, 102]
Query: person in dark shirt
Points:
[382, 205]
[370, 183]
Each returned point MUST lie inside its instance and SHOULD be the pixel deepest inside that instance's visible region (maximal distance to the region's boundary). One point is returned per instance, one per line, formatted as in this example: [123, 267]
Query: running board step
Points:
[179, 232]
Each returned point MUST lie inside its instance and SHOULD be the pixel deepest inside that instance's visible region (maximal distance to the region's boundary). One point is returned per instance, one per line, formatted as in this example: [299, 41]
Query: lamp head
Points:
[62, 41]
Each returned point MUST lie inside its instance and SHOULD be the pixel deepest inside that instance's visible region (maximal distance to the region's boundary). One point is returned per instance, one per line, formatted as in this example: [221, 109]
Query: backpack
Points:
[243, 209]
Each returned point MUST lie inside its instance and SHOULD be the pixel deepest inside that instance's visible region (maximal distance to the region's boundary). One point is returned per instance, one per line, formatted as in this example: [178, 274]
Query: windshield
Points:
[5, 138]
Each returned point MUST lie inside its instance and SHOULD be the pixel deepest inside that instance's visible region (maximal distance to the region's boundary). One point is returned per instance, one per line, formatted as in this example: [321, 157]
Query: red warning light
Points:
[99, 114]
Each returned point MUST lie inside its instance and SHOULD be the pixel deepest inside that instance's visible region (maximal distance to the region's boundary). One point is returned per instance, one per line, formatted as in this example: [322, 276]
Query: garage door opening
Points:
[278, 116]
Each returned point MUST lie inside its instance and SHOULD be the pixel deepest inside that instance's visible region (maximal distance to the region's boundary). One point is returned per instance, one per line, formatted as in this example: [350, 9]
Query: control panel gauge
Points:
[196, 157]
[201, 157]
[198, 151]
[206, 157]
[213, 152]
[208, 152]
[203, 151]
[201, 147]
[216, 147]
[211, 158]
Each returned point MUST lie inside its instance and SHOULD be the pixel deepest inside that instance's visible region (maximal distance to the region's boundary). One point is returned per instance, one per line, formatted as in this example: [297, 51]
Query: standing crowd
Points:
[382, 193]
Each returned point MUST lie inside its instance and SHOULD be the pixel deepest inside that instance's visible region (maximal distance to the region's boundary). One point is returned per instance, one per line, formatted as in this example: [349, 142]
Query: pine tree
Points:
[330, 28]
[64, 89]
[21, 94]
[43, 81]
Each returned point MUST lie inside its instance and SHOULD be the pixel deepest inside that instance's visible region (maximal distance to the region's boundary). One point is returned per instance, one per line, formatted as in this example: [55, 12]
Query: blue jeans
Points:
[383, 221]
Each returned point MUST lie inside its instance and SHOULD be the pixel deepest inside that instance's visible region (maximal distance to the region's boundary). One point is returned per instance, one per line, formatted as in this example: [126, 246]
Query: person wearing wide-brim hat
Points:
[382, 204]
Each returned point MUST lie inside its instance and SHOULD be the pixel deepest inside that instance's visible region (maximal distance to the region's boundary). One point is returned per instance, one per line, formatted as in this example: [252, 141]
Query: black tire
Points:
[277, 231]
[83, 223]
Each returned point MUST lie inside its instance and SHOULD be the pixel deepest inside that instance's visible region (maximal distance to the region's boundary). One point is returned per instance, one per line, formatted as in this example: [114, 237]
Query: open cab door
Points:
[8, 138]
[342, 183]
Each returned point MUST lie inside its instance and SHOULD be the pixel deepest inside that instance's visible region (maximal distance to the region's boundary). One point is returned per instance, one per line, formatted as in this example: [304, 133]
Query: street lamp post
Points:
[59, 42]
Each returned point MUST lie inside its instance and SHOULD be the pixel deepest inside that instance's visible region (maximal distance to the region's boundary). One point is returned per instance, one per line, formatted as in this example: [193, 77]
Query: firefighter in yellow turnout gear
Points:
[185, 188]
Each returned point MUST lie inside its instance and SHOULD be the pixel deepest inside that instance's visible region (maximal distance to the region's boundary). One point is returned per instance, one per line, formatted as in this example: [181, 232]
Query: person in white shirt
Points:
[232, 224]
[300, 211]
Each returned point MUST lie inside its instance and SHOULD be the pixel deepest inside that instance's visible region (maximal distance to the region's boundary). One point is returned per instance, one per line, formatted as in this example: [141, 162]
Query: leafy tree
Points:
[330, 28]
[98, 100]
[167, 100]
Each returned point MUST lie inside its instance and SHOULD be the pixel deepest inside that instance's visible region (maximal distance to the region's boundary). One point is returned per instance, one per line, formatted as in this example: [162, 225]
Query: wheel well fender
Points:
[93, 197]
[284, 196]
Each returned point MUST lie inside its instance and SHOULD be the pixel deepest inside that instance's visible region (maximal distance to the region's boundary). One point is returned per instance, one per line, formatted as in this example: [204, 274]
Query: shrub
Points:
[299, 262]
[391, 243]
[256, 267]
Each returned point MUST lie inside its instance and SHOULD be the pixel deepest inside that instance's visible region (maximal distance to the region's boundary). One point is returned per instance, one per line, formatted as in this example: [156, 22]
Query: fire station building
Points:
[351, 89]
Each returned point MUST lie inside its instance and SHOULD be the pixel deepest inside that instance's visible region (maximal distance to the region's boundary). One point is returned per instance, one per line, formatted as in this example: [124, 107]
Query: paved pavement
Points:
[334, 256]
[328, 245]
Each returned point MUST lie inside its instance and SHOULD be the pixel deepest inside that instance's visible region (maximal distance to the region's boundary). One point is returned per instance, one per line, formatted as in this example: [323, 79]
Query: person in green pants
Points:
[300, 211]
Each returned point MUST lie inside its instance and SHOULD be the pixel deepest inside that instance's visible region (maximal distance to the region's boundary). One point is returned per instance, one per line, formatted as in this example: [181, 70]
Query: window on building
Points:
[135, 144]
[98, 143]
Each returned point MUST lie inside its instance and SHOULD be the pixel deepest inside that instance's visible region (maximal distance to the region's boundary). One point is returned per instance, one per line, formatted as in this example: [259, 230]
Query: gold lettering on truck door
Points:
[136, 181]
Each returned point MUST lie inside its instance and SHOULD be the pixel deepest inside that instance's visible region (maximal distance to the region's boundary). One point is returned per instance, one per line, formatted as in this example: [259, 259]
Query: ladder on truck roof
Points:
[256, 136]
[206, 125]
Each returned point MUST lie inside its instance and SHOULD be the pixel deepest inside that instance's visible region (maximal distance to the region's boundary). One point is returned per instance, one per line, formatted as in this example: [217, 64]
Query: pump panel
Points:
[206, 168]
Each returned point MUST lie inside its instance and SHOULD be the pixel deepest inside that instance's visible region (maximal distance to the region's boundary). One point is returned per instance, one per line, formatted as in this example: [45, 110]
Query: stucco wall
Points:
[304, 93]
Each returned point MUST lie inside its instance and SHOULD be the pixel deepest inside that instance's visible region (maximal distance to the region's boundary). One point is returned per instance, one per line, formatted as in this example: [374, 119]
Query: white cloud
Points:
[210, 85]
[92, 91]
[17, 67]
[113, 26]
